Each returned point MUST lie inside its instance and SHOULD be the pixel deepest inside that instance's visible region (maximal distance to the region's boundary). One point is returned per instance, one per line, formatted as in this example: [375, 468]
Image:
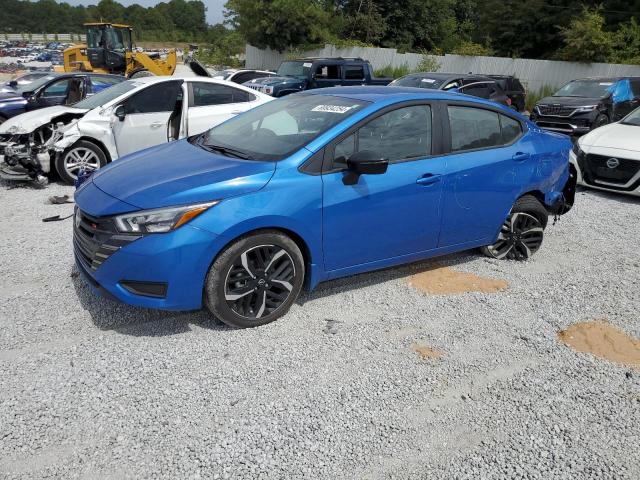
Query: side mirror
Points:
[364, 162]
[13, 83]
[120, 113]
[29, 96]
[367, 162]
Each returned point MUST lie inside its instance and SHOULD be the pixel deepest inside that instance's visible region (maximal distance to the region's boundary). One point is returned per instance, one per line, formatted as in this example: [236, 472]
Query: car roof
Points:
[607, 79]
[446, 76]
[377, 94]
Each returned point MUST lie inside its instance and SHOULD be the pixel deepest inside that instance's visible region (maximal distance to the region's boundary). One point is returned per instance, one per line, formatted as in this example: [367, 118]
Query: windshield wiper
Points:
[230, 152]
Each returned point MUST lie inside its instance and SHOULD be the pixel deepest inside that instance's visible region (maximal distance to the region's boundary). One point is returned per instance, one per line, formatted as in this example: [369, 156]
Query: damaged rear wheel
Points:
[82, 155]
[522, 232]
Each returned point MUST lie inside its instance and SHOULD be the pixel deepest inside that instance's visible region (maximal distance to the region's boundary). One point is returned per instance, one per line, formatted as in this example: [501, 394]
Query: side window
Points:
[511, 129]
[354, 72]
[473, 128]
[480, 90]
[453, 84]
[635, 88]
[100, 83]
[156, 98]
[56, 89]
[205, 94]
[398, 135]
[328, 72]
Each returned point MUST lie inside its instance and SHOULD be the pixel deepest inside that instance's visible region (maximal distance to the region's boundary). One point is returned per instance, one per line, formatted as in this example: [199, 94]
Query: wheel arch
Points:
[97, 143]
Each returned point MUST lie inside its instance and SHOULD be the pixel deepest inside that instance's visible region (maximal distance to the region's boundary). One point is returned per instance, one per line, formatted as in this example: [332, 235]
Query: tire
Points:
[600, 120]
[522, 233]
[140, 72]
[82, 154]
[255, 280]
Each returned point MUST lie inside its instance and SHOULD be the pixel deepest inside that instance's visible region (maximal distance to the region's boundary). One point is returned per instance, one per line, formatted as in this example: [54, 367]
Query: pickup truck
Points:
[307, 73]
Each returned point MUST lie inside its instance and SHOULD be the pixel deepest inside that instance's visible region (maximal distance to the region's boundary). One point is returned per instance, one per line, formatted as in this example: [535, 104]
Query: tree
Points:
[585, 40]
[626, 43]
[279, 24]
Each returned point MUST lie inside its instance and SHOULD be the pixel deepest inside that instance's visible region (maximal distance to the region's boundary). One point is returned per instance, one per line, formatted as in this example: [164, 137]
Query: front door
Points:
[386, 215]
[147, 115]
[482, 172]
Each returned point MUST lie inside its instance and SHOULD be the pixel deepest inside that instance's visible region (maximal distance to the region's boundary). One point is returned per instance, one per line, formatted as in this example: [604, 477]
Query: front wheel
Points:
[82, 155]
[255, 280]
[522, 233]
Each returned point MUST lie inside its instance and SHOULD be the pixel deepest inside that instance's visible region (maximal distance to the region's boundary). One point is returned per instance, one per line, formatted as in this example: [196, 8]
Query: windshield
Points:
[108, 94]
[294, 69]
[418, 81]
[33, 86]
[632, 119]
[279, 128]
[586, 88]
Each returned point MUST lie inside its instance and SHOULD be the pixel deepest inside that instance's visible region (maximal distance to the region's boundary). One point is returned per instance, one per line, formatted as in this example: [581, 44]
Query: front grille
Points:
[556, 110]
[95, 239]
[597, 170]
[255, 87]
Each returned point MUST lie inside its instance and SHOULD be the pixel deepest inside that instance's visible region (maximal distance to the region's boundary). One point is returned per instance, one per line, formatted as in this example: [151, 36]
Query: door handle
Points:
[157, 124]
[428, 179]
[521, 157]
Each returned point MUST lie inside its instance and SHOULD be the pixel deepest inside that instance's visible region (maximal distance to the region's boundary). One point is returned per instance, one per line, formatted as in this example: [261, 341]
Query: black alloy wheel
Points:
[520, 237]
[259, 281]
[255, 280]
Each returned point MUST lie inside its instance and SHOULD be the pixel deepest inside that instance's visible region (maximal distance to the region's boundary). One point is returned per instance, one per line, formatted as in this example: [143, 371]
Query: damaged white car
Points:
[125, 118]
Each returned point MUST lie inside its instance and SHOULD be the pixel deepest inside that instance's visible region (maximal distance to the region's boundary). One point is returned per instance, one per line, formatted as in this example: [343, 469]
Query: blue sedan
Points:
[313, 187]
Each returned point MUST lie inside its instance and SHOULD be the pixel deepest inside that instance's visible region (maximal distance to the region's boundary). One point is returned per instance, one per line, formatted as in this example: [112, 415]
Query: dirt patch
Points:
[425, 351]
[603, 340]
[446, 281]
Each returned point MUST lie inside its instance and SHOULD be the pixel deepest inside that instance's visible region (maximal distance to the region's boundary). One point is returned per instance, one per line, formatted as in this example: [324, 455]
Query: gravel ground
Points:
[94, 389]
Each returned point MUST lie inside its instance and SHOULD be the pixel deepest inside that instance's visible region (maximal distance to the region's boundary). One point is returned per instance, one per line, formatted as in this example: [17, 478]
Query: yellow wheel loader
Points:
[109, 49]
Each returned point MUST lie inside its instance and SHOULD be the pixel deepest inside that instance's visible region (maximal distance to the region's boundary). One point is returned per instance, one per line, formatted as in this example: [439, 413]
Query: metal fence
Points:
[535, 74]
[44, 37]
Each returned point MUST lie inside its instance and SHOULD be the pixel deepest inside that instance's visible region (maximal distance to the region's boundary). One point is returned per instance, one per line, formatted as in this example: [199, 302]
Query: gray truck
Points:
[307, 73]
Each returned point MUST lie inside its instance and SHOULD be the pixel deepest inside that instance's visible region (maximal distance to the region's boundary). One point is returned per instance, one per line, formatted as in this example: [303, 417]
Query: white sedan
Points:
[608, 158]
[122, 119]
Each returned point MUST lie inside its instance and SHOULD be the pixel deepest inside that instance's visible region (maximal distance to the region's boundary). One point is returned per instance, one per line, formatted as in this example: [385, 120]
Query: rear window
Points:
[418, 81]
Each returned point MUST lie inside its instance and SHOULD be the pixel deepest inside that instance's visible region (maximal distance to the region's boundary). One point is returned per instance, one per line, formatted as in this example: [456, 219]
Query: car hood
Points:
[179, 173]
[9, 95]
[29, 121]
[269, 81]
[614, 135]
[569, 101]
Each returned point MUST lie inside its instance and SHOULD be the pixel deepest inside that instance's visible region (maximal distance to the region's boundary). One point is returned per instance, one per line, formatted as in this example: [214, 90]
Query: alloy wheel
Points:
[520, 237]
[259, 281]
[81, 158]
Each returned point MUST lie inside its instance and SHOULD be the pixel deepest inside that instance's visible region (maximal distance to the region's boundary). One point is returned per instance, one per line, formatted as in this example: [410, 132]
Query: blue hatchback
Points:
[312, 187]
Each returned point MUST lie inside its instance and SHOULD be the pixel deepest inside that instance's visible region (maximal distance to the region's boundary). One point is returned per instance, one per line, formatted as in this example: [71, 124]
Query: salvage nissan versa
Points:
[312, 187]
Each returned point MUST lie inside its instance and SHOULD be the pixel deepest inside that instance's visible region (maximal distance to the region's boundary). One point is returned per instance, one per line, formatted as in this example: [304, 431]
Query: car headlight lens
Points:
[160, 220]
[586, 108]
[268, 90]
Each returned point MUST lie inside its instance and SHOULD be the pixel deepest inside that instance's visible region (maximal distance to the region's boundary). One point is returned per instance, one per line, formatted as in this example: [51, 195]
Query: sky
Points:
[214, 7]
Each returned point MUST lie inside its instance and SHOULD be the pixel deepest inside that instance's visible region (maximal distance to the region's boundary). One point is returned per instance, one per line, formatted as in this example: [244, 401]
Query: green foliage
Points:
[472, 49]
[626, 43]
[428, 64]
[223, 46]
[534, 96]
[279, 24]
[585, 40]
[393, 72]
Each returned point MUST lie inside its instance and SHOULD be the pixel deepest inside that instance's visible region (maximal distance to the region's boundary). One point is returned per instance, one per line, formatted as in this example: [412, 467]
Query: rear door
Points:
[485, 160]
[392, 214]
[212, 103]
[147, 114]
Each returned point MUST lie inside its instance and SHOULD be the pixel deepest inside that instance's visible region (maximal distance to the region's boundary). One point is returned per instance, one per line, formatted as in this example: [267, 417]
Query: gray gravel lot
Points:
[94, 389]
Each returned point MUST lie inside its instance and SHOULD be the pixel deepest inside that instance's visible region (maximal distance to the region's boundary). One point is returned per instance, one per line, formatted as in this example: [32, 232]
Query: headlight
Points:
[160, 220]
[586, 108]
[268, 90]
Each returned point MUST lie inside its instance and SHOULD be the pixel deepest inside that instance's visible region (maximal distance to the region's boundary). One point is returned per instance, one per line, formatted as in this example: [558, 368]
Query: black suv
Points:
[583, 105]
[475, 85]
[514, 90]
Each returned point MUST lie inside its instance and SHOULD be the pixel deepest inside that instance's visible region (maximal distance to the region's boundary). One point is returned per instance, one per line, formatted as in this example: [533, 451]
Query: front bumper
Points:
[587, 176]
[178, 261]
[576, 124]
